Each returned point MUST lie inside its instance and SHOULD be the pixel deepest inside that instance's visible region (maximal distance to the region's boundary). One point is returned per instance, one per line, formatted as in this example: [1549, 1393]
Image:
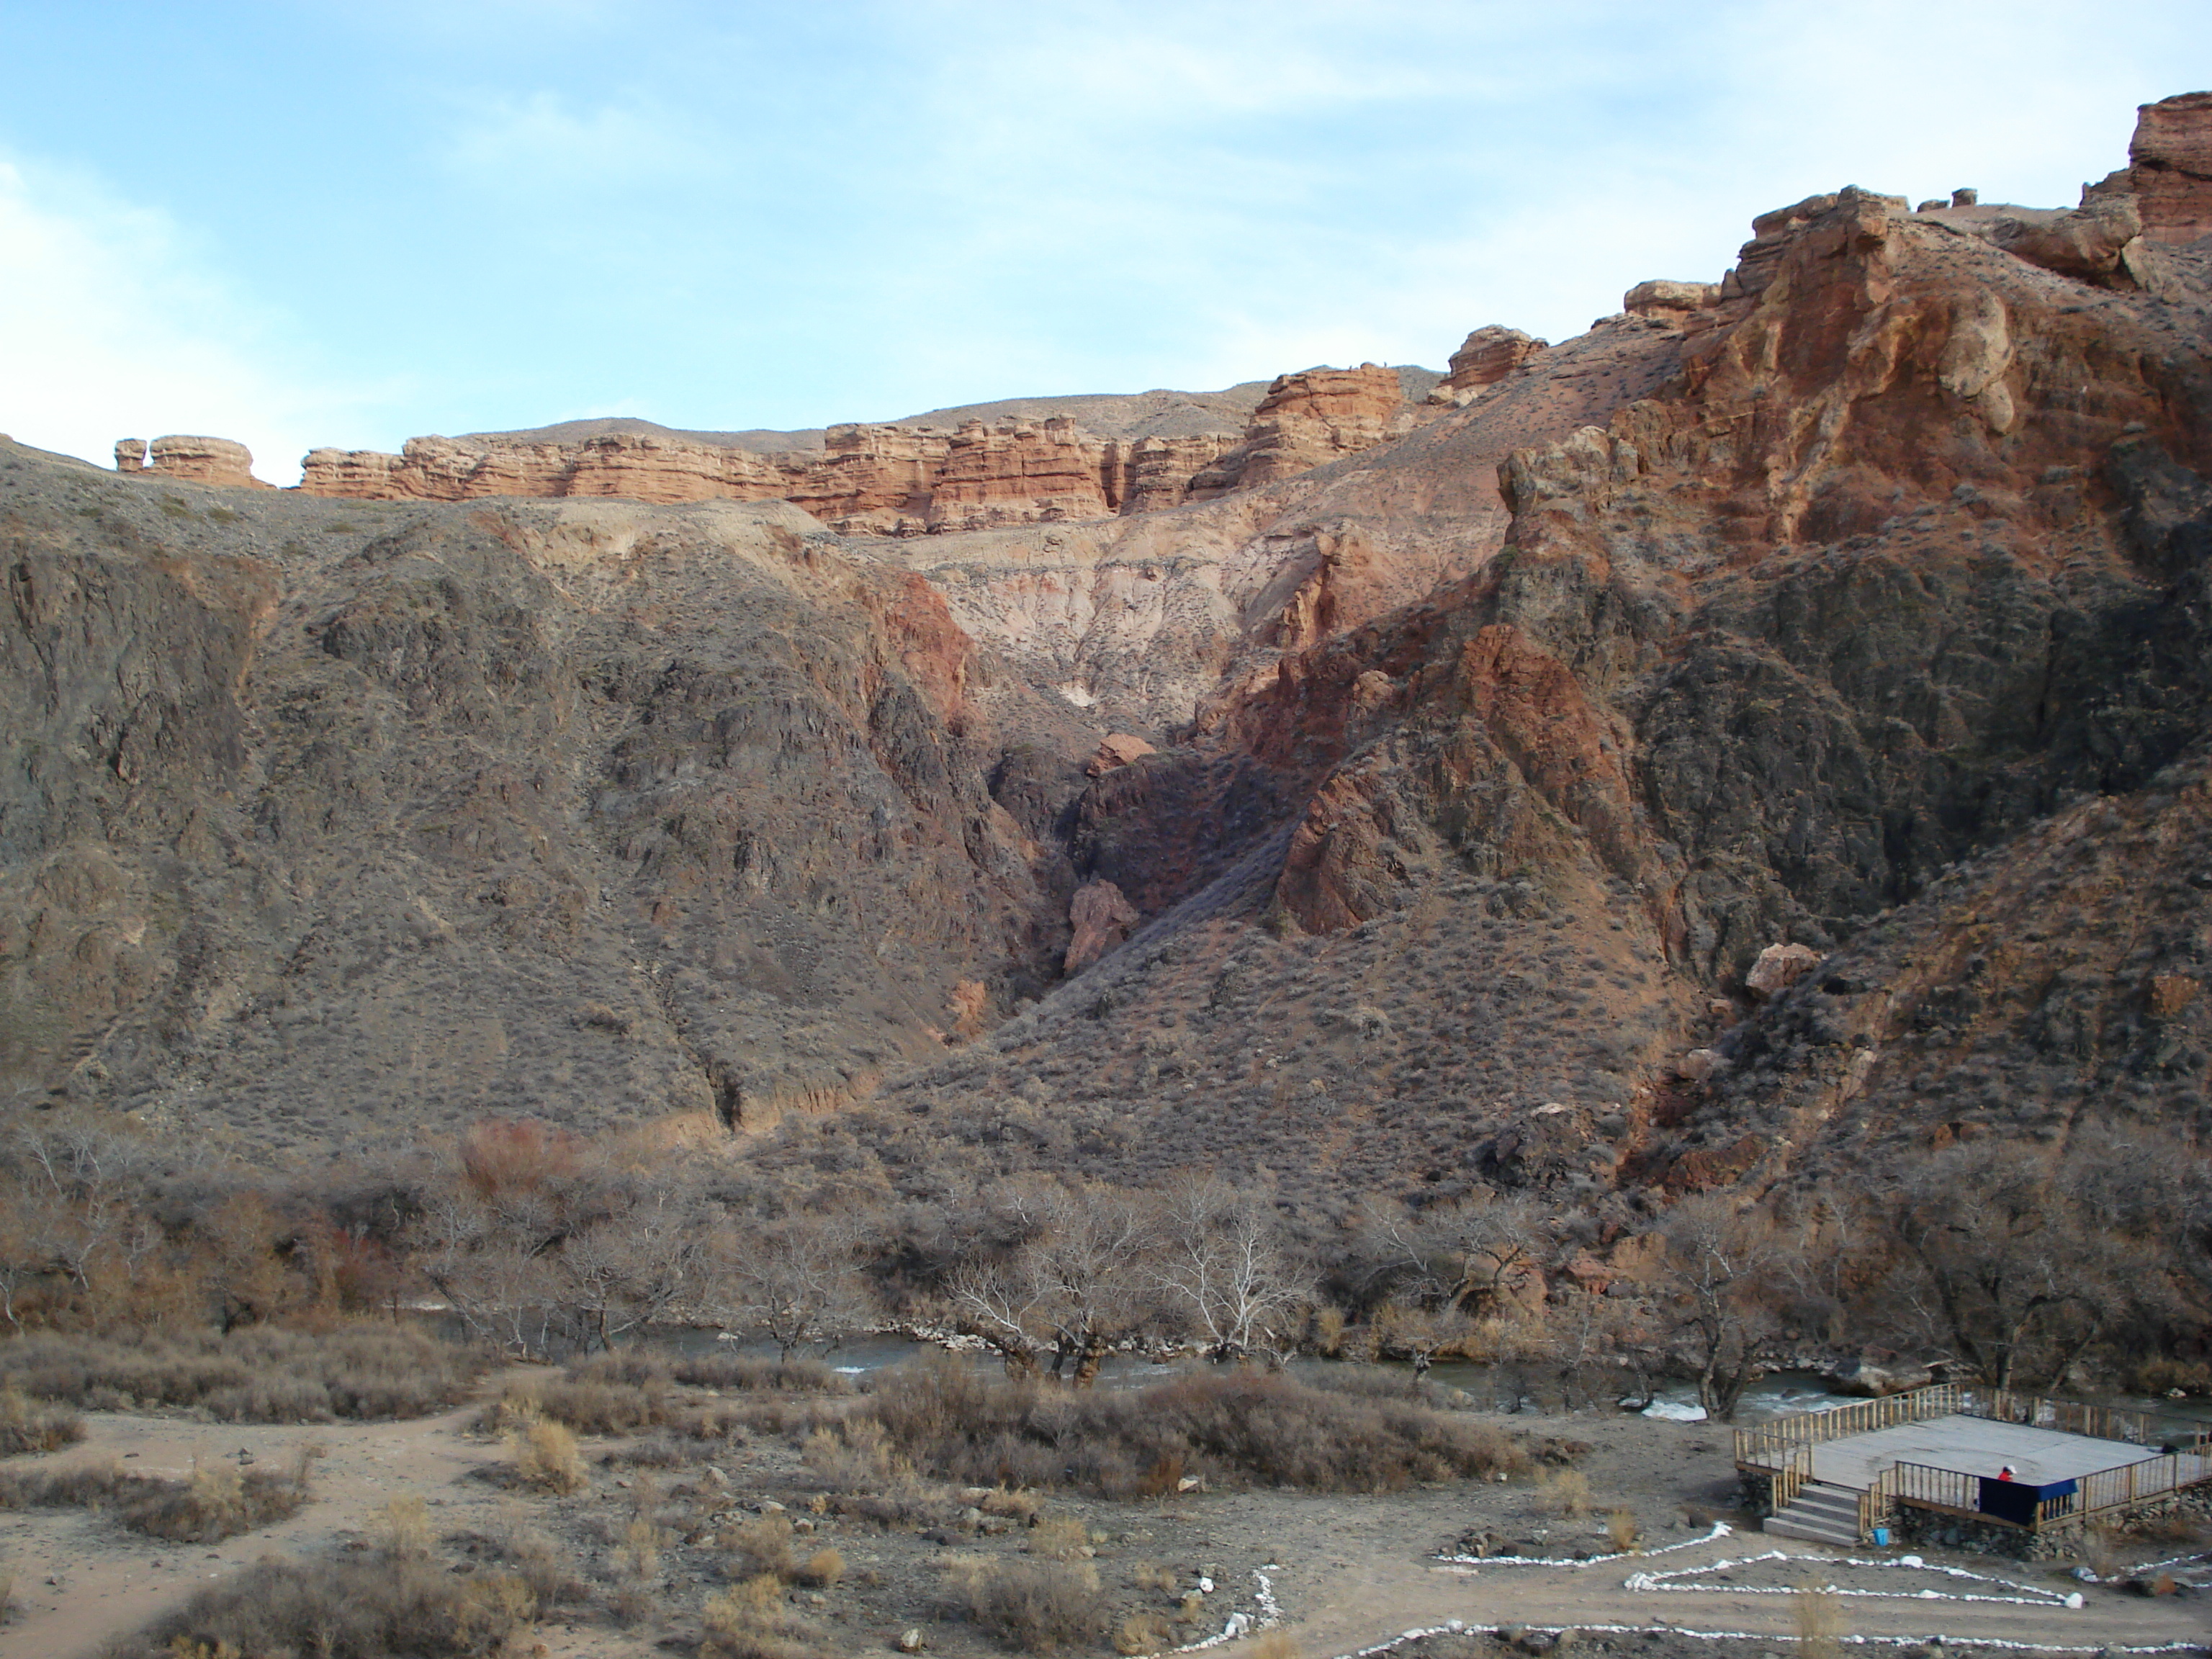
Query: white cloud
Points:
[110, 327]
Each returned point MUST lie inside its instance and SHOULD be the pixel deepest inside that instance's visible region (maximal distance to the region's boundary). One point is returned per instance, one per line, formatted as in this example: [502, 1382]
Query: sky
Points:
[312, 223]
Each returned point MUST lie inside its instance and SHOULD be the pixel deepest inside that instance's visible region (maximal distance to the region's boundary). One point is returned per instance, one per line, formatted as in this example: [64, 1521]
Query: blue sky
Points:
[308, 223]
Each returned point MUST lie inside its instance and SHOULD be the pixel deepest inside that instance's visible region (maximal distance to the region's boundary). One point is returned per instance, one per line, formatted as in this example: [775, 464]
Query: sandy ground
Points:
[1349, 1573]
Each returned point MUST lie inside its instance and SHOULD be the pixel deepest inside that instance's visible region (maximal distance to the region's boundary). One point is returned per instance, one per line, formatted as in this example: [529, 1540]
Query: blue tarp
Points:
[2016, 1501]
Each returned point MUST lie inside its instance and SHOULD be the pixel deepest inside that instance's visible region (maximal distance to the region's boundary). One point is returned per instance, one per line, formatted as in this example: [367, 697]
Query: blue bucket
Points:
[1882, 1538]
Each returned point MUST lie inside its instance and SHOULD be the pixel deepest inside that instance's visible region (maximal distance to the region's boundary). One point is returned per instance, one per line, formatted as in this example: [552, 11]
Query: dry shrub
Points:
[540, 1564]
[1281, 1644]
[1063, 1538]
[1151, 1576]
[218, 1501]
[1144, 1632]
[743, 1372]
[1621, 1526]
[639, 1554]
[260, 1373]
[1819, 1613]
[1038, 1606]
[750, 1620]
[823, 1569]
[1014, 1505]
[853, 1456]
[2100, 1550]
[545, 1456]
[344, 1610]
[27, 1426]
[953, 1423]
[763, 1543]
[405, 1530]
[1567, 1491]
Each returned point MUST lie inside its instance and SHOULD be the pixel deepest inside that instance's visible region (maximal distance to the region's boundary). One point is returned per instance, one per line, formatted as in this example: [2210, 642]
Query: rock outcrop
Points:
[868, 479]
[2169, 171]
[1306, 419]
[190, 460]
[1485, 357]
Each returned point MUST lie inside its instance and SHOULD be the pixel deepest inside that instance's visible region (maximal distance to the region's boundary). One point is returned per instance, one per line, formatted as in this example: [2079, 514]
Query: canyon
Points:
[1397, 795]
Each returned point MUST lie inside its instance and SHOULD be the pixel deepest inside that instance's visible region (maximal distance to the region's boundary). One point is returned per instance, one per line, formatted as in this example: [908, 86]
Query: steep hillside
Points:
[1458, 783]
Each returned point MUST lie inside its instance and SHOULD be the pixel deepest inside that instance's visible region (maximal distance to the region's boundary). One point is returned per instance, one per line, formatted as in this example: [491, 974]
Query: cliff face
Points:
[895, 480]
[1865, 622]
[1462, 772]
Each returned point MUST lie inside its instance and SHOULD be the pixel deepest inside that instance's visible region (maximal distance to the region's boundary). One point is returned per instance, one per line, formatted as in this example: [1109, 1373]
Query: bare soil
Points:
[1349, 1574]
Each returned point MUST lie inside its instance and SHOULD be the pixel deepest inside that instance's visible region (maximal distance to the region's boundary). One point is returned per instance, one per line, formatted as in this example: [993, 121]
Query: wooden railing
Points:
[1765, 1445]
[2072, 1416]
[1791, 1478]
[2118, 1488]
[2131, 1483]
[1768, 1444]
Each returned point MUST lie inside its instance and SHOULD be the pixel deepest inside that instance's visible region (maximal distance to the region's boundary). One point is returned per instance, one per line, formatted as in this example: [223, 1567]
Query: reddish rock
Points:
[1307, 419]
[2170, 167]
[1670, 301]
[1119, 750]
[191, 460]
[1485, 357]
[1102, 918]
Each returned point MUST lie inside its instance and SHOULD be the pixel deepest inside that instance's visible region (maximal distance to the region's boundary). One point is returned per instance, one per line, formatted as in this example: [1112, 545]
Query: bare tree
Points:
[1073, 1285]
[1225, 1266]
[795, 1280]
[1467, 1255]
[1728, 1269]
[2006, 1264]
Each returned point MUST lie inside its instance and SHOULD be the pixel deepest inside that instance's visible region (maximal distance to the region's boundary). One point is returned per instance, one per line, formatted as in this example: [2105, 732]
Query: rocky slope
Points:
[1446, 779]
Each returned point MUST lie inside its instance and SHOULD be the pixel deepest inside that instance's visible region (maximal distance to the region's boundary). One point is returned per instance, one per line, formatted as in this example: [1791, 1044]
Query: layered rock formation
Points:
[2169, 171]
[902, 480]
[190, 460]
[1485, 357]
[1305, 419]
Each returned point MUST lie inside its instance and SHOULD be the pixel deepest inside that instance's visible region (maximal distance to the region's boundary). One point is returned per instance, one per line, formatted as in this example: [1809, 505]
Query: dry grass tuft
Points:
[1144, 1632]
[1038, 1606]
[260, 1374]
[545, 1456]
[1280, 1644]
[1621, 1527]
[405, 1530]
[346, 1609]
[27, 1426]
[1567, 1491]
[1820, 1614]
[750, 1620]
[823, 1569]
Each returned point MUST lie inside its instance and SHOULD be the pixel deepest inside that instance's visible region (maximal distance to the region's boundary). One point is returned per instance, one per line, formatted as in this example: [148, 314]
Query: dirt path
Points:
[1355, 1592]
[81, 1580]
[1349, 1573]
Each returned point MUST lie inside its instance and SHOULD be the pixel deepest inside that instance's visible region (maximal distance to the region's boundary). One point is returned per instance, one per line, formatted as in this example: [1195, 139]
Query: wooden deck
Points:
[1972, 1446]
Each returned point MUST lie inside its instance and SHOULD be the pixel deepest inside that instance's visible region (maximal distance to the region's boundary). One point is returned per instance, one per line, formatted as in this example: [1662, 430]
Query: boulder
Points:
[1670, 301]
[1487, 356]
[2086, 243]
[1101, 917]
[1779, 967]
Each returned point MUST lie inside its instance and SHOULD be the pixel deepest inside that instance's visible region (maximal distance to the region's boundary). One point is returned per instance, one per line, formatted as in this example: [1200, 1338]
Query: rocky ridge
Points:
[1848, 605]
[904, 479]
